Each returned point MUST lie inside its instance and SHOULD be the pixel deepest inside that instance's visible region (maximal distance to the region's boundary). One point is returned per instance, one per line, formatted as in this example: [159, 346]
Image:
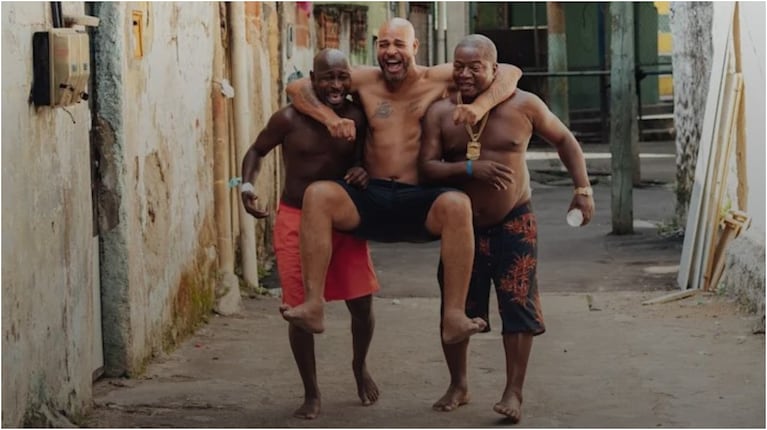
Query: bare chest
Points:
[503, 133]
[311, 140]
[386, 110]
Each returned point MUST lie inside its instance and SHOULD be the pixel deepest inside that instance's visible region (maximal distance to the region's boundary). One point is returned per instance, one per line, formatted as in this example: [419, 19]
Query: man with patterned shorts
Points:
[488, 163]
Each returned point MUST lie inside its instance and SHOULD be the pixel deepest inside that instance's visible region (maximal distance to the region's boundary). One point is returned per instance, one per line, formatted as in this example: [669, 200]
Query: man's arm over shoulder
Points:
[430, 159]
[502, 87]
[304, 99]
[505, 83]
[363, 76]
[440, 73]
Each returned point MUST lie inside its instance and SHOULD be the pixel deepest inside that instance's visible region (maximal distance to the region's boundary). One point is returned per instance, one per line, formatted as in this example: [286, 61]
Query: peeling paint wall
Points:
[155, 128]
[48, 306]
[155, 255]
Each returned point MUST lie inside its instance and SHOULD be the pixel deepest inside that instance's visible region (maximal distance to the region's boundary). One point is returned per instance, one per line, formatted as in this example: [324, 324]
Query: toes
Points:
[481, 324]
[510, 413]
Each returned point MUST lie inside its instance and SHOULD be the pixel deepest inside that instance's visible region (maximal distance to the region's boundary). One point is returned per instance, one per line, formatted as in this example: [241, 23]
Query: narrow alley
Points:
[605, 361]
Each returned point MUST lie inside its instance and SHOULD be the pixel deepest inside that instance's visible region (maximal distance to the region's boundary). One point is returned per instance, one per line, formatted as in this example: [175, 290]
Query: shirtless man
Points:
[393, 207]
[311, 154]
[498, 183]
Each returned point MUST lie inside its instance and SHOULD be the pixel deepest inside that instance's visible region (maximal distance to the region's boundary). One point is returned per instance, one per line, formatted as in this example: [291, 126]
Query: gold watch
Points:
[583, 191]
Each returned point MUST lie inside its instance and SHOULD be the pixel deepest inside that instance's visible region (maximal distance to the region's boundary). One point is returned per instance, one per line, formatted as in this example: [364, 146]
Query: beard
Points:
[395, 76]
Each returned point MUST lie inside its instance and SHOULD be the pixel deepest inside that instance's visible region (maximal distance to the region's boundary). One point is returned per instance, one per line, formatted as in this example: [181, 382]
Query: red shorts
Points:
[350, 273]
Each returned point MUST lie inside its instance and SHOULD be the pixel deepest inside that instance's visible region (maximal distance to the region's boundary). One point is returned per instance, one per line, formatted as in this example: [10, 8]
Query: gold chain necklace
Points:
[473, 147]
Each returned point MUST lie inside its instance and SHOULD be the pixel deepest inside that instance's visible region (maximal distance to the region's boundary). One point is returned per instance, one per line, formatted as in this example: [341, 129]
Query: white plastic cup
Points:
[575, 218]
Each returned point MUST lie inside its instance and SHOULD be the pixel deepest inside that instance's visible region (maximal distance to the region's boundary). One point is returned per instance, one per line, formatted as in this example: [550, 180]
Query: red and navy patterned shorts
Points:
[507, 254]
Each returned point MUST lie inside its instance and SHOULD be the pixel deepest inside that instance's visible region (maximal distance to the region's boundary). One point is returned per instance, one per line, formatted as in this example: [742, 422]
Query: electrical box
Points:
[61, 63]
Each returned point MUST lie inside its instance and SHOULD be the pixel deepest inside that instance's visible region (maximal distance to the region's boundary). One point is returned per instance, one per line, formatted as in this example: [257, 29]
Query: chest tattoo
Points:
[413, 107]
[383, 110]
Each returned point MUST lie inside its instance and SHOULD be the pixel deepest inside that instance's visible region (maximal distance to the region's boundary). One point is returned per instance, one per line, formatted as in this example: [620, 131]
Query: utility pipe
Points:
[221, 167]
[442, 32]
[242, 142]
[557, 56]
[228, 300]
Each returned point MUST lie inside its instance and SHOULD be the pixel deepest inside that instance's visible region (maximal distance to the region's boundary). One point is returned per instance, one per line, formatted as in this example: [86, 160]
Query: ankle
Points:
[510, 392]
[454, 313]
[460, 384]
[358, 364]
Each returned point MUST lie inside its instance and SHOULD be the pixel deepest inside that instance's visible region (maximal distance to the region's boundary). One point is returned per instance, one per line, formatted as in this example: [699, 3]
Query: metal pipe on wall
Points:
[228, 291]
[557, 60]
[239, 44]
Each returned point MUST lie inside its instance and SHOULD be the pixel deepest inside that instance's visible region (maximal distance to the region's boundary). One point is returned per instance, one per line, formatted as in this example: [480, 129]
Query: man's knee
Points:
[452, 206]
[322, 194]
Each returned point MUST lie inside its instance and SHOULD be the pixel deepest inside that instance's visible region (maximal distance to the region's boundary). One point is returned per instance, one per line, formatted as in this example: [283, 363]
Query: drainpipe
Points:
[228, 293]
[557, 53]
[241, 124]
[440, 30]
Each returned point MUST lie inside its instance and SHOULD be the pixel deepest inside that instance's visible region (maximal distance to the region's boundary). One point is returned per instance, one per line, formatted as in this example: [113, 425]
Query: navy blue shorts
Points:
[392, 211]
[507, 254]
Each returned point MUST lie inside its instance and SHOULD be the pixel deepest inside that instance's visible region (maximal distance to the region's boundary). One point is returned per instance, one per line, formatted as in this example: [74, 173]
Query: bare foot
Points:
[457, 327]
[511, 406]
[309, 410]
[307, 316]
[453, 398]
[366, 387]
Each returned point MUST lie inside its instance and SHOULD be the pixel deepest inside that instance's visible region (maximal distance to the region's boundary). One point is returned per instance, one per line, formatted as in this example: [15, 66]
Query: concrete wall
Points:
[753, 55]
[48, 307]
[744, 276]
[154, 136]
[152, 249]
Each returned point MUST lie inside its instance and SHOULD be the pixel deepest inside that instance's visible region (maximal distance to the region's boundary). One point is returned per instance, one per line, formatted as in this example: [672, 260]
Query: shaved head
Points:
[404, 26]
[481, 43]
[328, 58]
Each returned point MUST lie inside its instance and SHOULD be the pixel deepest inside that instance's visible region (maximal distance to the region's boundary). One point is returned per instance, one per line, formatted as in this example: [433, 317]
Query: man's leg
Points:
[302, 345]
[517, 347]
[326, 206]
[450, 217]
[458, 392]
[363, 324]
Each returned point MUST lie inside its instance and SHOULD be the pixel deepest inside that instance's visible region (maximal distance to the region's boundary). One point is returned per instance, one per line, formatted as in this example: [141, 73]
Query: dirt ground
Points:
[688, 363]
[691, 363]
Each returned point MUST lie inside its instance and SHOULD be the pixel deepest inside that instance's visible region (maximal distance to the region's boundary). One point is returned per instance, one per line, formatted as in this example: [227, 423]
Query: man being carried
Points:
[311, 154]
[488, 163]
[393, 207]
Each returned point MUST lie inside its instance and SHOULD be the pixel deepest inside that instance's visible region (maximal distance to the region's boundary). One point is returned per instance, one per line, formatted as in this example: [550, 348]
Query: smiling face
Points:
[473, 70]
[397, 46]
[331, 78]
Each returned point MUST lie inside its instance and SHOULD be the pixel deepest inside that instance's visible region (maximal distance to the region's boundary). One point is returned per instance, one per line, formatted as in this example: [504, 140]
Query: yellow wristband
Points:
[583, 191]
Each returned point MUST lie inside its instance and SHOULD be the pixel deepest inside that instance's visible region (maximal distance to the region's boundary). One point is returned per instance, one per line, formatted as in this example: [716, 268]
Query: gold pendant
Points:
[472, 150]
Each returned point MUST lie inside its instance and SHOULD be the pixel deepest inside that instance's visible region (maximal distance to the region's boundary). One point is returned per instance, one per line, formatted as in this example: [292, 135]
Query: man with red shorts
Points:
[311, 154]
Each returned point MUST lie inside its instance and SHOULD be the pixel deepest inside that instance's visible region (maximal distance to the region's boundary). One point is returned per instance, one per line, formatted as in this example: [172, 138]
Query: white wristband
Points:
[247, 187]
